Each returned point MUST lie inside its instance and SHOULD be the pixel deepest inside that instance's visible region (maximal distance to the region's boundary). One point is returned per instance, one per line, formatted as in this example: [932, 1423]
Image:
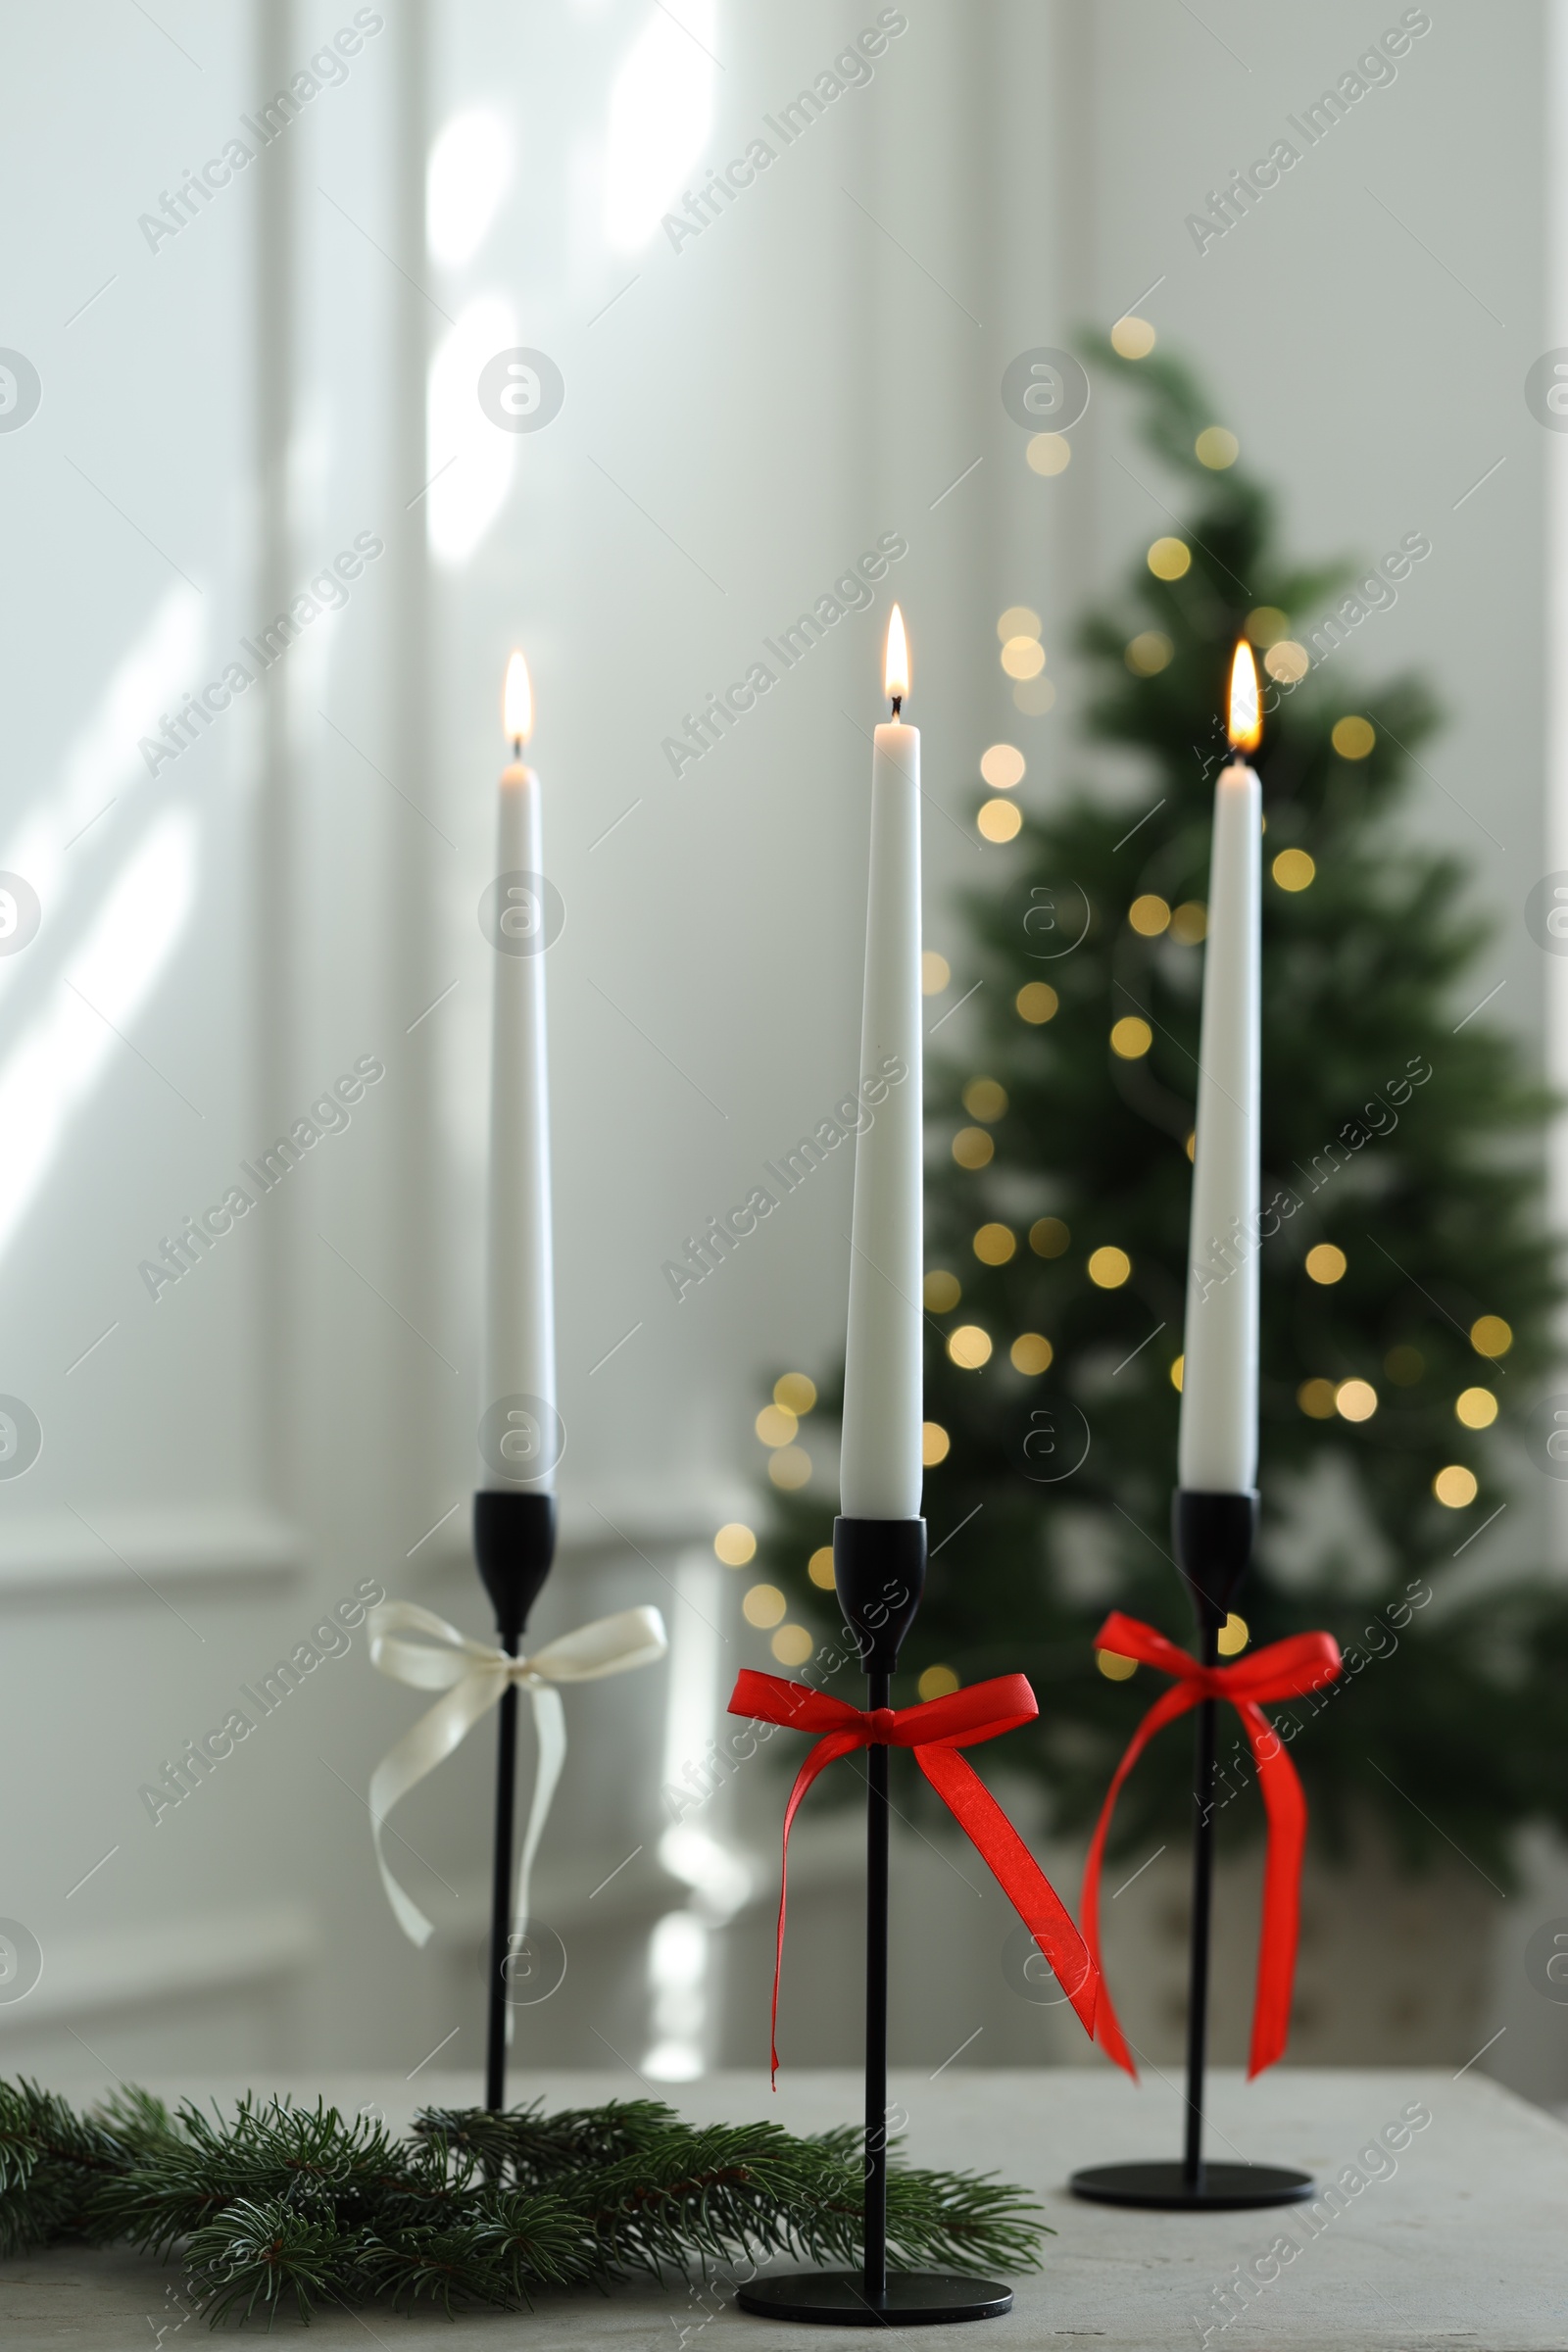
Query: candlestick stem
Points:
[495, 2046]
[879, 1684]
[1203, 1909]
[513, 1549]
[879, 1570]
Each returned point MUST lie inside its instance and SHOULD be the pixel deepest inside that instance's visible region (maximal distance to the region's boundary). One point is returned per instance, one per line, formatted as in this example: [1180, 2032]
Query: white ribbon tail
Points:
[550, 1731]
[550, 1728]
[430, 1741]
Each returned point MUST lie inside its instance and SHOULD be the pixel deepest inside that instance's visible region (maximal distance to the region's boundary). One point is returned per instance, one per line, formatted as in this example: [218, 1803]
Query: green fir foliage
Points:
[287, 2209]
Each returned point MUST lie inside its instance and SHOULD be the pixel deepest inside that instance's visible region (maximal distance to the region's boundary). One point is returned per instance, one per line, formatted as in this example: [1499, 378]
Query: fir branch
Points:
[277, 2208]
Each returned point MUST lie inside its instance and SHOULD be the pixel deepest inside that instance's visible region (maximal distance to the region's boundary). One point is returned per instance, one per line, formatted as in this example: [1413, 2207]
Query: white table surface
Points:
[1465, 2244]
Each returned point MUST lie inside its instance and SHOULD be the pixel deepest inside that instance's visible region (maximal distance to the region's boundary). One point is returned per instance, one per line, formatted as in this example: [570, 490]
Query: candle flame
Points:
[516, 700]
[1245, 724]
[897, 666]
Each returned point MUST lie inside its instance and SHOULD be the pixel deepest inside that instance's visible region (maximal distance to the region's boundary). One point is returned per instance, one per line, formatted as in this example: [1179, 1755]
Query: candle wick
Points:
[517, 748]
[897, 704]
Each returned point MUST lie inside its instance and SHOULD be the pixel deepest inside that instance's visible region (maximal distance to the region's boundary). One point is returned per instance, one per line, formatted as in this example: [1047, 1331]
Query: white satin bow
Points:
[474, 1675]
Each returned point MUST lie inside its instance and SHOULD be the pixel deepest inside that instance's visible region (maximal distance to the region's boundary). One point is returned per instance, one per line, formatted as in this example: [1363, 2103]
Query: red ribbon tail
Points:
[1286, 1806]
[826, 1752]
[1107, 2030]
[1018, 1873]
[1166, 1709]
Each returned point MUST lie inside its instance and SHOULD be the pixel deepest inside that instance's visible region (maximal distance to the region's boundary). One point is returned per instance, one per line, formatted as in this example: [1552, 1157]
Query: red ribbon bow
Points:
[1284, 1670]
[935, 1730]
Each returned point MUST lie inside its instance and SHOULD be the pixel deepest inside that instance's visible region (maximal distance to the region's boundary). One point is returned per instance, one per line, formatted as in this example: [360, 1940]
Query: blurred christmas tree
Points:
[1407, 1295]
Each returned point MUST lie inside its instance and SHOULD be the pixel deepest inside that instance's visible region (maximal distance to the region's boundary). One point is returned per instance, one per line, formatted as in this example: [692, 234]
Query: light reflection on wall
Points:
[660, 112]
[103, 762]
[473, 459]
[469, 172]
[61, 1055]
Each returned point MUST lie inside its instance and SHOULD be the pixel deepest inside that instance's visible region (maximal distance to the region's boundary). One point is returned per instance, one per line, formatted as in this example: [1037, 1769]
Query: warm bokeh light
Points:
[969, 1347]
[1191, 1144]
[1114, 1667]
[1148, 653]
[1049, 1237]
[775, 1425]
[935, 1444]
[1355, 1401]
[1455, 1487]
[1047, 453]
[795, 1391]
[516, 700]
[1216, 448]
[1110, 1267]
[941, 1291]
[1188, 922]
[1035, 1002]
[1353, 737]
[896, 664]
[1034, 697]
[1131, 1038]
[792, 1644]
[1002, 766]
[735, 1543]
[1023, 657]
[1245, 721]
[1317, 1400]
[1132, 338]
[1477, 1409]
[790, 1467]
[937, 1681]
[935, 973]
[1031, 1353]
[1287, 663]
[1325, 1263]
[994, 1245]
[984, 1098]
[1000, 820]
[1018, 620]
[1178, 1372]
[1148, 914]
[1233, 1635]
[1267, 625]
[1295, 869]
[1169, 559]
[972, 1147]
[1491, 1336]
[764, 1605]
[819, 1568]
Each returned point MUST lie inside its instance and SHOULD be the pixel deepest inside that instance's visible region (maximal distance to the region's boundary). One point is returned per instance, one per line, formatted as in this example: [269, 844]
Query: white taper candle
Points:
[519, 1446]
[1217, 1449]
[880, 1471]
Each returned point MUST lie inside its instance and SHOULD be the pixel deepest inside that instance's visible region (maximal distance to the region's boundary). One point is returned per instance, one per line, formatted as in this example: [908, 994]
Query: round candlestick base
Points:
[1218, 2188]
[838, 2299]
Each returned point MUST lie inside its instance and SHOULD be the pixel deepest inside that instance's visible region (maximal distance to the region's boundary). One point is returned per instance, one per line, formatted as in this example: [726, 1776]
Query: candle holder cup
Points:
[513, 1549]
[879, 1570]
[1213, 1536]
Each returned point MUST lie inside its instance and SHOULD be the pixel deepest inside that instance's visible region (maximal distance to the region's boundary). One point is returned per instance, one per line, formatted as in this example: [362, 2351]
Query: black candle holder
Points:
[1213, 1536]
[513, 1548]
[879, 1570]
